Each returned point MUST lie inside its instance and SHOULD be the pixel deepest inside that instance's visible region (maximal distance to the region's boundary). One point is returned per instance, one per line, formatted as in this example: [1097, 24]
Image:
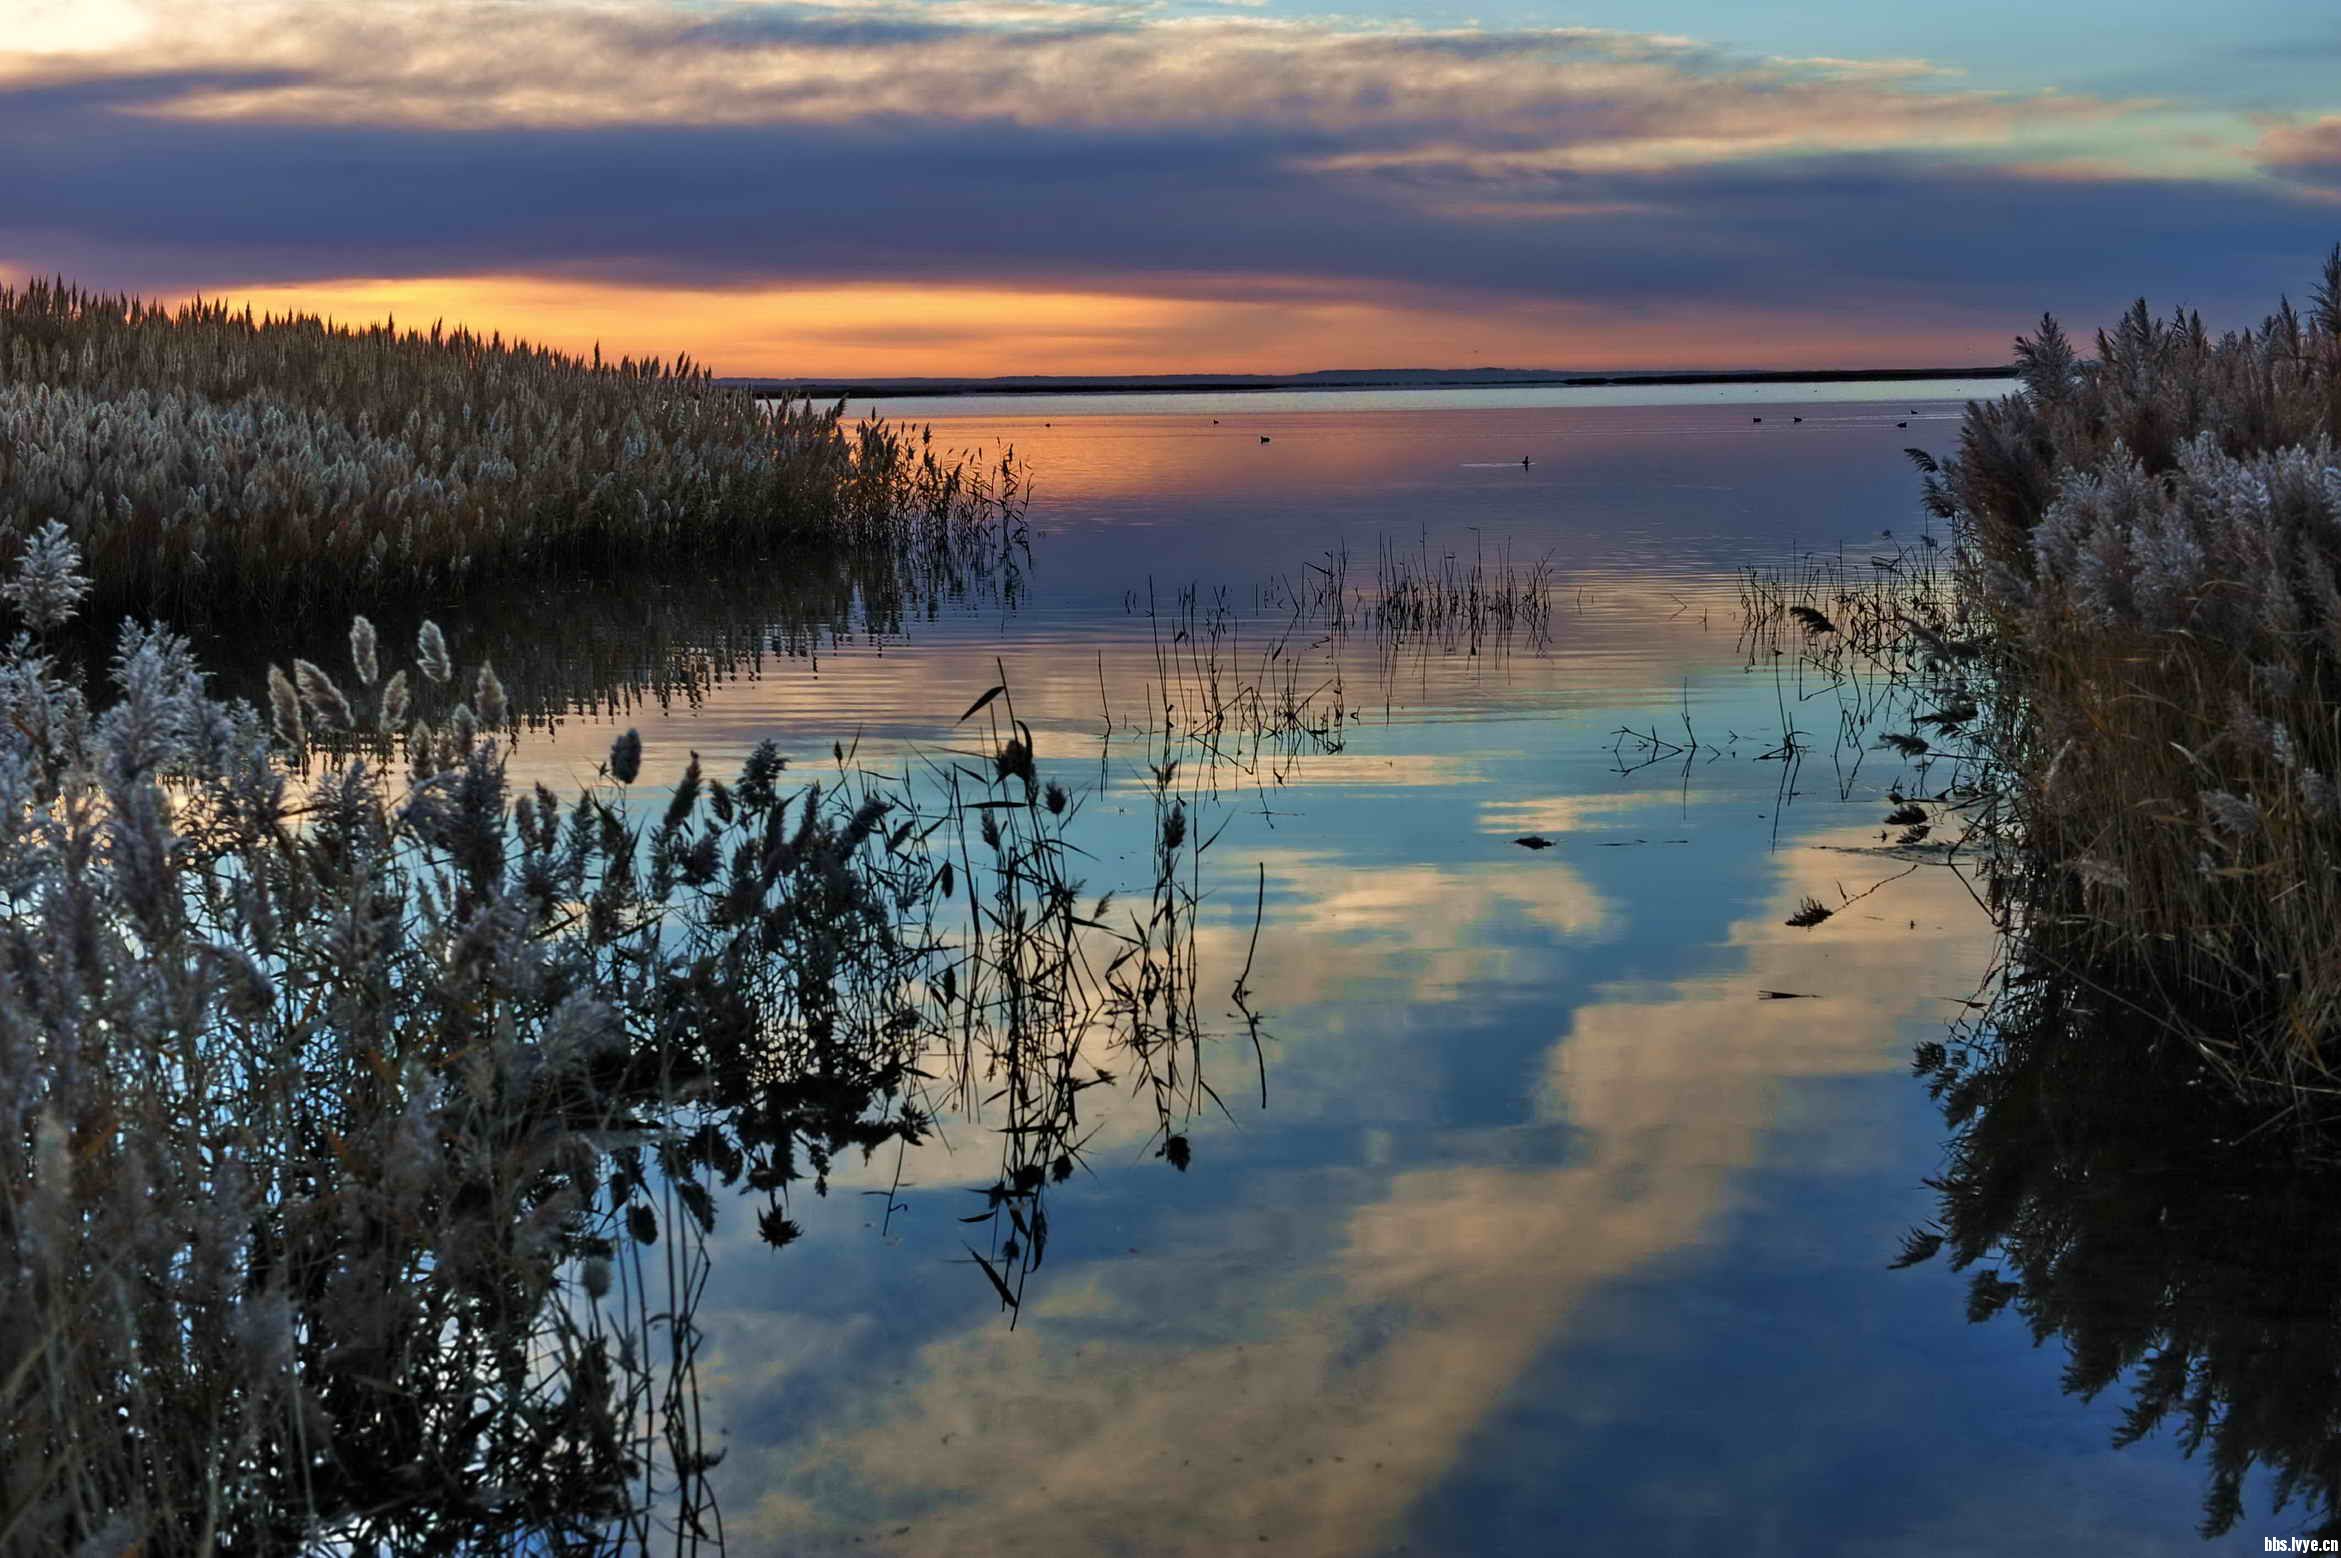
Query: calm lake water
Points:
[1554, 1233]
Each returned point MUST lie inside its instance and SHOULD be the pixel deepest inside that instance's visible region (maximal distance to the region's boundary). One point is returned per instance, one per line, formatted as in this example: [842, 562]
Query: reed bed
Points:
[365, 1121]
[205, 460]
[2110, 701]
[2106, 701]
[2152, 543]
[2129, 656]
[603, 649]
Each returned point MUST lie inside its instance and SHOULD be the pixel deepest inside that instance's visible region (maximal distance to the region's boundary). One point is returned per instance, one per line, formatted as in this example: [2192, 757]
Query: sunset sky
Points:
[838, 187]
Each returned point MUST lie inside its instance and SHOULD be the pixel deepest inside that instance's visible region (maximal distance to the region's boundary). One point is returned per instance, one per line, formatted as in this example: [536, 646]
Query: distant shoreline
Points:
[885, 389]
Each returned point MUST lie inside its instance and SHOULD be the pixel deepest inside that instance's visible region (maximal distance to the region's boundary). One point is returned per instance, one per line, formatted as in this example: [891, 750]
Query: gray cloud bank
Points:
[1079, 147]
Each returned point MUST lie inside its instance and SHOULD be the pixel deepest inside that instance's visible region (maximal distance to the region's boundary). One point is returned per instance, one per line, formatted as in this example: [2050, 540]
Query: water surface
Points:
[1557, 1230]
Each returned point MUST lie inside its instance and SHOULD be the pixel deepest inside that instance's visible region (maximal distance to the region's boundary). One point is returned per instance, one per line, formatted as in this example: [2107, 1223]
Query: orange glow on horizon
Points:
[885, 329]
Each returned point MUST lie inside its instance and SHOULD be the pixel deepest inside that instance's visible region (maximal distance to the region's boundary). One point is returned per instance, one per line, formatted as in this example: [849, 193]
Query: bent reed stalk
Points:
[204, 459]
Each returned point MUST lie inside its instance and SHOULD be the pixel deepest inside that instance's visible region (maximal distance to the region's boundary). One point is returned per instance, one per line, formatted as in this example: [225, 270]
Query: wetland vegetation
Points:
[369, 1117]
[2115, 692]
[205, 460]
[2154, 537]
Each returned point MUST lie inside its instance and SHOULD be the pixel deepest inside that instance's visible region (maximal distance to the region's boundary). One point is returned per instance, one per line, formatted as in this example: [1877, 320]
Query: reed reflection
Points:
[2105, 1187]
[2104, 1179]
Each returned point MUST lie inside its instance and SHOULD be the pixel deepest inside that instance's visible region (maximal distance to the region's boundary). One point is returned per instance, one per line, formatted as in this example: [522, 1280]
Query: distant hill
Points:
[1329, 378]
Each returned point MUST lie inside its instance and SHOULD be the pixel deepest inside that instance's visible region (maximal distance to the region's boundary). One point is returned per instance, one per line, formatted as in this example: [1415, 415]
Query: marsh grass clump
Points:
[305, 1122]
[2115, 694]
[204, 460]
[1461, 603]
[358, 1138]
[2153, 538]
[363, 1122]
